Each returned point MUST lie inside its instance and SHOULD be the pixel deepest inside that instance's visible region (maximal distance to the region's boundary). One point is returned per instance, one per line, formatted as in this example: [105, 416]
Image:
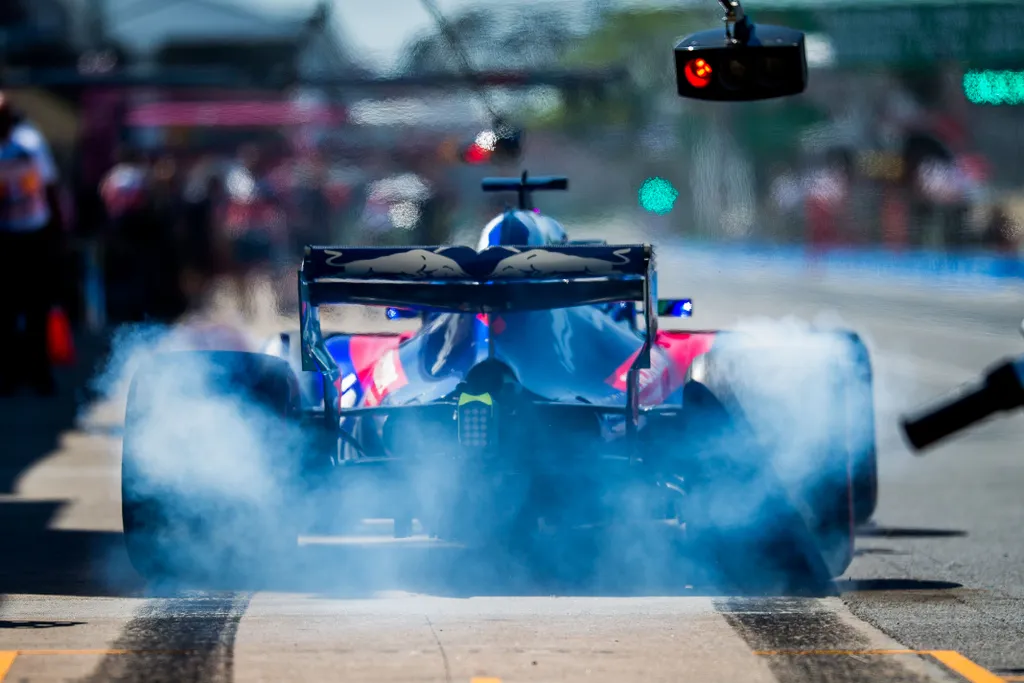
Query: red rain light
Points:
[477, 155]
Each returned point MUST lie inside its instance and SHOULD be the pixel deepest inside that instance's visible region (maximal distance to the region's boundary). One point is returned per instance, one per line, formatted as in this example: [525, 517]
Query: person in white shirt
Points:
[31, 255]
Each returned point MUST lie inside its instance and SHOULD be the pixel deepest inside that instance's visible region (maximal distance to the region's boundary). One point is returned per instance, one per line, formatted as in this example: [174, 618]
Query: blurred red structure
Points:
[60, 339]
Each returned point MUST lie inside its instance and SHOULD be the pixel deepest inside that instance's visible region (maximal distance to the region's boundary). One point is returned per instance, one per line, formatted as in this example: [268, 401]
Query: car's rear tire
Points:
[811, 394]
[206, 480]
[862, 432]
[747, 532]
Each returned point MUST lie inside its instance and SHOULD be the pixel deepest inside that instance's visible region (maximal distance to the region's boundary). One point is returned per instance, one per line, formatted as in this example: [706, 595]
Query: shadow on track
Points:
[857, 585]
[37, 558]
[863, 552]
[30, 625]
[32, 426]
[908, 532]
[45, 561]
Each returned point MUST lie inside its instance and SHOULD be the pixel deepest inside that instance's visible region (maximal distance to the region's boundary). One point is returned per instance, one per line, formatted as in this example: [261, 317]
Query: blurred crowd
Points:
[833, 202]
[174, 223]
[150, 240]
[888, 171]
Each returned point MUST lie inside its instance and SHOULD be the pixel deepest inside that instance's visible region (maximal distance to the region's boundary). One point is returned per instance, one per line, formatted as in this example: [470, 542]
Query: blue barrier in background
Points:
[966, 266]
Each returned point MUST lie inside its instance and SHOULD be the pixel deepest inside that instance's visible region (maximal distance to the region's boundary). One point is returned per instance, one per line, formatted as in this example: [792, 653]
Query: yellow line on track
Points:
[951, 660]
[965, 667]
[7, 658]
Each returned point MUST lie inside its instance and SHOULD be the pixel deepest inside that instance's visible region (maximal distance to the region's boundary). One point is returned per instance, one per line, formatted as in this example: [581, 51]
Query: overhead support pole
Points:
[737, 25]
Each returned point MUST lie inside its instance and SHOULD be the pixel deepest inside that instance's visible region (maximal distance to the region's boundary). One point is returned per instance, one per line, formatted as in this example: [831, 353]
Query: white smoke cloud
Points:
[224, 447]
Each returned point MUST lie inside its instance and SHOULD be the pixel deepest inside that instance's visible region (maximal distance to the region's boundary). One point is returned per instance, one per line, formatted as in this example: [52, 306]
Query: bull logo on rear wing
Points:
[465, 263]
[420, 263]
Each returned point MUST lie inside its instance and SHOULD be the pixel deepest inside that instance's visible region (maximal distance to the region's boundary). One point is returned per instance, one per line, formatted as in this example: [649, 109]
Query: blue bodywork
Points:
[542, 296]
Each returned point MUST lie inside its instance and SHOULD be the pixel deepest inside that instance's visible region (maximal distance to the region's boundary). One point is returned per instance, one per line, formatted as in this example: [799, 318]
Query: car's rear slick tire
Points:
[829, 463]
[747, 535]
[220, 537]
[862, 416]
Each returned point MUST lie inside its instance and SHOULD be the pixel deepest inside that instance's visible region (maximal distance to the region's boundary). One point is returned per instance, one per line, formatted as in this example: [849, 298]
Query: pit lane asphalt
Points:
[940, 570]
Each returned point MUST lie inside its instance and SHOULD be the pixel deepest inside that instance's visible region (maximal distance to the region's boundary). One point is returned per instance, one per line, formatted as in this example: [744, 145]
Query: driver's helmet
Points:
[518, 228]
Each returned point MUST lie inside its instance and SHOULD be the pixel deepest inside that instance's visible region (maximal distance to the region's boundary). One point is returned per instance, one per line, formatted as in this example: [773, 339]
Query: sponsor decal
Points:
[684, 347]
[415, 262]
[671, 356]
[388, 376]
[543, 262]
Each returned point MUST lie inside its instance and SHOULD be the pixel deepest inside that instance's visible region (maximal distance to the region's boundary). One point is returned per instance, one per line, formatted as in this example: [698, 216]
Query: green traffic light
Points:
[658, 196]
[994, 87]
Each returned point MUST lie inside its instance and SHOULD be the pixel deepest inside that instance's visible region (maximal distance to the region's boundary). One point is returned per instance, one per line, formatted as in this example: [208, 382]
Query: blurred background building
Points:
[266, 121]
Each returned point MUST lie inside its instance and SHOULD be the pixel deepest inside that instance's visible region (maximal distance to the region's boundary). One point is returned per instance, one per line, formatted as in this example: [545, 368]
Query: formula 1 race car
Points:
[538, 396]
[537, 404]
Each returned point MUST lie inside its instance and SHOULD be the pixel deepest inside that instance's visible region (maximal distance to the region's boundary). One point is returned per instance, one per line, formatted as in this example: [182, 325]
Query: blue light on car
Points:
[398, 312]
[682, 308]
[675, 308]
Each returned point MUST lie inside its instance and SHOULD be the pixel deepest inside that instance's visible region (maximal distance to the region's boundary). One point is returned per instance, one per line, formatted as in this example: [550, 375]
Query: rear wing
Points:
[462, 279]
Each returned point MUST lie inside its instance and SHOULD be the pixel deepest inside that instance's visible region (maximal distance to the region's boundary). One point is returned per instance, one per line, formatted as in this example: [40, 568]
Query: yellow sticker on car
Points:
[472, 398]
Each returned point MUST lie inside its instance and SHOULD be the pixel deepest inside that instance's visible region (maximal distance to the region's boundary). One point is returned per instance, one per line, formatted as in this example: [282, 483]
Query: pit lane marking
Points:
[954, 661]
[7, 658]
[965, 667]
[6, 662]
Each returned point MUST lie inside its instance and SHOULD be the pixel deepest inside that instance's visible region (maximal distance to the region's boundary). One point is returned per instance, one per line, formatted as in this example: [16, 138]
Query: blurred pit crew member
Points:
[827, 201]
[1001, 233]
[167, 205]
[204, 200]
[30, 244]
[255, 227]
[130, 240]
[310, 206]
